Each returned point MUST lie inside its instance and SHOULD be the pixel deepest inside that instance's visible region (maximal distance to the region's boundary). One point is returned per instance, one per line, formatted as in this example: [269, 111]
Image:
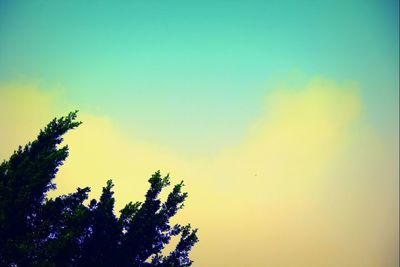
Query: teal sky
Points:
[195, 73]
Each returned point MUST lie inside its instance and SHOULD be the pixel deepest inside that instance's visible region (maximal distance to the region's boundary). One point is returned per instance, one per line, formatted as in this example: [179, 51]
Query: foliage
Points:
[36, 231]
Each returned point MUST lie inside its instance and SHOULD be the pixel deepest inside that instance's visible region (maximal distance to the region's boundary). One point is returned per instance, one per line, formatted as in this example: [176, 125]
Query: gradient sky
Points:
[285, 113]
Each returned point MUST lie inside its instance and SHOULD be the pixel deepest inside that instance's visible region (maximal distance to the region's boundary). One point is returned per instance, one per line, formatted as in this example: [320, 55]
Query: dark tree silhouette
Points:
[37, 231]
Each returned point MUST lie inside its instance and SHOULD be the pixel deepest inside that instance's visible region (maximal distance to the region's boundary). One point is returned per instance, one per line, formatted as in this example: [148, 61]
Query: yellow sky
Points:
[311, 184]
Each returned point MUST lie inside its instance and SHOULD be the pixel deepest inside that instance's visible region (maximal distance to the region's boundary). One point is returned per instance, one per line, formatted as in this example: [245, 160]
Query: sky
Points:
[280, 116]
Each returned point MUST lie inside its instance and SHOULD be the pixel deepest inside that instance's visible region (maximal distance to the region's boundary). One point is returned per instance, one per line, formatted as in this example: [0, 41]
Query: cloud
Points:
[311, 184]
[24, 109]
[305, 185]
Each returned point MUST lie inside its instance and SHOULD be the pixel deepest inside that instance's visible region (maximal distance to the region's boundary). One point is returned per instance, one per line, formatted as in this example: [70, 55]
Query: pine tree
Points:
[37, 231]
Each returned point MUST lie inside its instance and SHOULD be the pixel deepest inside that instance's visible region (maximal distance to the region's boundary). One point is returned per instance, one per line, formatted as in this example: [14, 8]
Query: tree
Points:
[37, 231]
